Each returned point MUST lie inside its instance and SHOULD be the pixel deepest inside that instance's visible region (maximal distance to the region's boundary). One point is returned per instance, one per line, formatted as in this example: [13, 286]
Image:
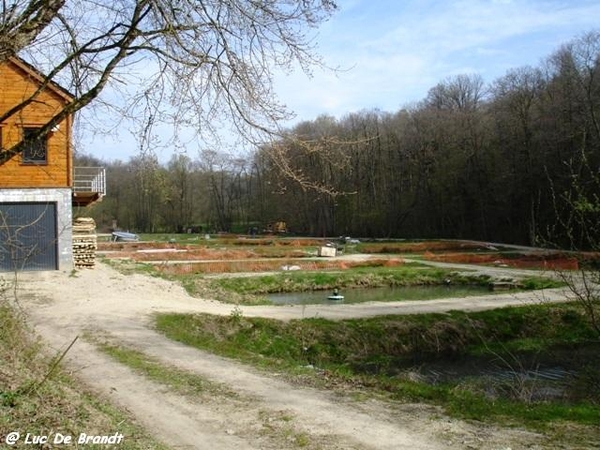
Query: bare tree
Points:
[181, 195]
[516, 115]
[578, 217]
[187, 62]
[459, 93]
[574, 96]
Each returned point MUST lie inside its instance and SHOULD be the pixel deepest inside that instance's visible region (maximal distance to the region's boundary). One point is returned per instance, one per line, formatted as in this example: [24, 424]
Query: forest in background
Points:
[516, 160]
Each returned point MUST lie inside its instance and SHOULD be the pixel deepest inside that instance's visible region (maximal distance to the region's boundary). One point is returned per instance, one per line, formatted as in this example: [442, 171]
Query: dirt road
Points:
[253, 410]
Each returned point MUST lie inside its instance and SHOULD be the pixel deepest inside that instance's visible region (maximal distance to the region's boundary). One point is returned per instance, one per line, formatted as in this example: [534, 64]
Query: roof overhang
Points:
[39, 77]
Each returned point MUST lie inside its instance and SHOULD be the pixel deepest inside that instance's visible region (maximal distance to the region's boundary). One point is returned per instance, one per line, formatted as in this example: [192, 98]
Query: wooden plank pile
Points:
[84, 243]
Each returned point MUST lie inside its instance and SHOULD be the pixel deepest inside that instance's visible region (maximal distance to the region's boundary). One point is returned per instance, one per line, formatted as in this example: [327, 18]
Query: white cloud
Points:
[398, 50]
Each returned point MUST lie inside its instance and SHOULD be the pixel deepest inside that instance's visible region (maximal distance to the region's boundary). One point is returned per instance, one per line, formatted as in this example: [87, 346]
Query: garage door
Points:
[28, 236]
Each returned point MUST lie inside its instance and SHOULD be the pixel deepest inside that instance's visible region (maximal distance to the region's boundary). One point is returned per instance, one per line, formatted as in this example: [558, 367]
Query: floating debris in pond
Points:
[336, 296]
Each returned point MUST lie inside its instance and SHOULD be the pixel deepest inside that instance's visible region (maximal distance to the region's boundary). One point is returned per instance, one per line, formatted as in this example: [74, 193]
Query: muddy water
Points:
[385, 294]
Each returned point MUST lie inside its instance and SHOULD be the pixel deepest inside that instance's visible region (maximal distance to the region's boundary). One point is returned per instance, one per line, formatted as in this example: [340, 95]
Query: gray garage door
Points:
[28, 236]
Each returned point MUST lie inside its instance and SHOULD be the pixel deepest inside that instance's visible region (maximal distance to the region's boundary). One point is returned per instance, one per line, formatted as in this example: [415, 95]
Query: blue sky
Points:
[393, 51]
[397, 50]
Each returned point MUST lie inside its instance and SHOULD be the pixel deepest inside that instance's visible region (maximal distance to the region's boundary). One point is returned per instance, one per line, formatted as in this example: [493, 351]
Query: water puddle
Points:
[541, 383]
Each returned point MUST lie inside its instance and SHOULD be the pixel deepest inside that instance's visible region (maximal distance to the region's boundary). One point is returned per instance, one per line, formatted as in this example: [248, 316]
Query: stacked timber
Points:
[84, 243]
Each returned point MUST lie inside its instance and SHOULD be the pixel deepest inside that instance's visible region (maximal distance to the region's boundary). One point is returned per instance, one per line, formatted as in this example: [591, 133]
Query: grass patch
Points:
[358, 277]
[251, 290]
[130, 267]
[178, 380]
[422, 246]
[38, 400]
[411, 274]
[277, 426]
[180, 238]
[270, 254]
[382, 353]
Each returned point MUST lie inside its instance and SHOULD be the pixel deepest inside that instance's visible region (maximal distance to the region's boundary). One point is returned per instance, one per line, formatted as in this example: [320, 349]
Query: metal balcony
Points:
[89, 185]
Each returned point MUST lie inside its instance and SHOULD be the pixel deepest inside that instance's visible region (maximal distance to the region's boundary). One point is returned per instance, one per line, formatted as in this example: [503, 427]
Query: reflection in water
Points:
[384, 294]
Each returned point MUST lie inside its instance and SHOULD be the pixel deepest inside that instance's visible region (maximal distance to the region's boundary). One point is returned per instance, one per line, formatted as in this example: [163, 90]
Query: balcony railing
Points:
[89, 179]
[89, 185]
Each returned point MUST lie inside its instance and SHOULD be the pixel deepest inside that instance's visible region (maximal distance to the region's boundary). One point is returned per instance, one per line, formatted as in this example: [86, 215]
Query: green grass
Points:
[412, 274]
[277, 426]
[129, 267]
[178, 380]
[405, 275]
[180, 238]
[375, 353]
[252, 290]
[39, 399]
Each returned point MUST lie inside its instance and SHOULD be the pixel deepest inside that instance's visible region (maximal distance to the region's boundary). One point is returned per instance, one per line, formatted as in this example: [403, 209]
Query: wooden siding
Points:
[17, 84]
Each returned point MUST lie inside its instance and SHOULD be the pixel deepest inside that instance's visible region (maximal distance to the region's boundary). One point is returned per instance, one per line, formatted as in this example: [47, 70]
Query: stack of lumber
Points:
[84, 243]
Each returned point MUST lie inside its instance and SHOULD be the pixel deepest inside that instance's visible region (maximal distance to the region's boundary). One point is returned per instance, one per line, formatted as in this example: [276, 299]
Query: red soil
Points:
[421, 247]
[553, 261]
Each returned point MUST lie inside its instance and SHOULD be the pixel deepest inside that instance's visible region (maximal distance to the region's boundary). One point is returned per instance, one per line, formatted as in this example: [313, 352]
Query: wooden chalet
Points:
[38, 185]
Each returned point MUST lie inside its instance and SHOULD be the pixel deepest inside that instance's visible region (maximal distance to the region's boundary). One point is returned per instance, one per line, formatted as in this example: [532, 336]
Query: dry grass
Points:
[254, 266]
[421, 247]
[178, 252]
[554, 261]
[37, 397]
[278, 242]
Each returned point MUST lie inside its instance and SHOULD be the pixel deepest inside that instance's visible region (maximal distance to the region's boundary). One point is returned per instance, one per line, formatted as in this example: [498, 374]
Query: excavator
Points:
[279, 227]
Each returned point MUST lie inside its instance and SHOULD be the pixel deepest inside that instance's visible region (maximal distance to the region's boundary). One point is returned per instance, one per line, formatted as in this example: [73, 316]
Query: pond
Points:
[382, 294]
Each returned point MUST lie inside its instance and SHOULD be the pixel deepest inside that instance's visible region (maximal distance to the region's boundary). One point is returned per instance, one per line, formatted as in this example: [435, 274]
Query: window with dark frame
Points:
[36, 149]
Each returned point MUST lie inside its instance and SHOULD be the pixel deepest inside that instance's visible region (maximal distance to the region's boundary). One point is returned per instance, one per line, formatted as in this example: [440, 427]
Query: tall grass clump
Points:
[401, 355]
[37, 397]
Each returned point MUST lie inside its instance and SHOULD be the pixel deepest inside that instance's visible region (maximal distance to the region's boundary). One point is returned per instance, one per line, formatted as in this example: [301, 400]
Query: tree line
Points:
[516, 160]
